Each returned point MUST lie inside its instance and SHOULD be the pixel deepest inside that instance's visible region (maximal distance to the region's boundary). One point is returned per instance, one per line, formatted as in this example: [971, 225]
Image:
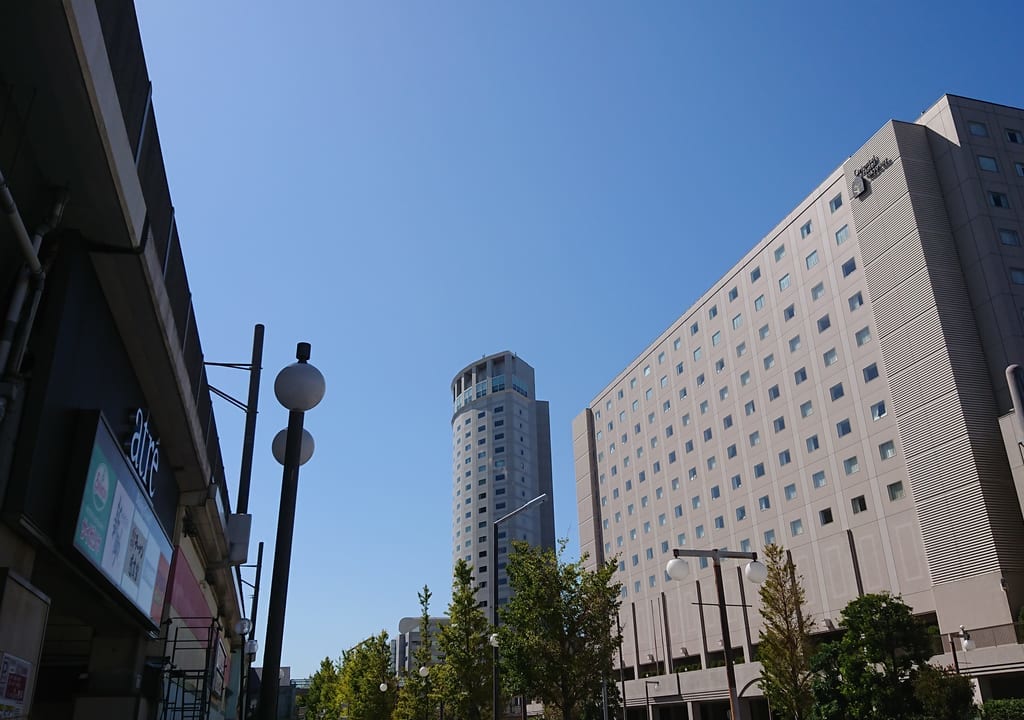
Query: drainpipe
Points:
[32, 273]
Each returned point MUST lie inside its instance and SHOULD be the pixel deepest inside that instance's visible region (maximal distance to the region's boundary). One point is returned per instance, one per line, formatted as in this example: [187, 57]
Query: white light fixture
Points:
[424, 671]
[677, 568]
[280, 441]
[755, 572]
[300, 386]
[252, 646]
[383, 687]
[493, 639]
[243, 627]
[965, 640]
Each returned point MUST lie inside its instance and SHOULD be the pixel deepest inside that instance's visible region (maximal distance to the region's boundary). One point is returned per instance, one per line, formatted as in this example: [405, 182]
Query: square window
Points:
[851, 465]
[878, 410]
[689, 446]
[800, 375]
[661, 357]
[764, 503]
[694, 329]
[707, 434]
[716, 492]
[794, 343]
[741, 349]
[759, 470]
[987, 163]
[849, 266]
[824, 323]
[842, 234]
[754, 438]
[774, 392]
[647, 370]
[680, 368]
[733, 294]
[741, 513]
[789, 491]
[836, 391]
[977, 129]
[812, 443]
[745, 378]
[704, 407]
[712, 312]
[719, 366]
[1017, 276]
[695, 501]
[818, 479]
[843, 427]
[1015, 136]
[1009, 237]
[870, 372]
[685, 419]
[745, 545]
[789, 313]
[755, 274]
[676, 343]
[769, 361]
[998, 199]
[727, 422]
[862, 336]
[736, 481]
[785, 458]
[678, 510]
[763, 332]
[779, 424]
[817, 291]
[895, 491]
[859, 504]
[759, 302]
[730, 451]
[831, 357]
[1018, 167]
[796, 527]
[811, 260]
[856, 300]
[683, 392]
[887, 450]
[835, 203]
[699, 531]
[723, 392]
[825, 516]
[805, 229]
[698, 353]
[769, 537]
[784, 282]
[719, 522]
[806, 409]
[748, 408]
[664, 381]
[737, 322]
[716, 337]
[666, 405]
[780, 252]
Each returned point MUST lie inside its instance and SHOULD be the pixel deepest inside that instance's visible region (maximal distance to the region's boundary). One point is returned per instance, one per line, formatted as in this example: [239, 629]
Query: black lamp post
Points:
[755, 571]
[494, 595]
[299, 387]
[647, 696]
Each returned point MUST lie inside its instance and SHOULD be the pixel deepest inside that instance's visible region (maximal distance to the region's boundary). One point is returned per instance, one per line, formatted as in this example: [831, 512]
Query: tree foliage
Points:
[944, 694]
[463, 680]
[784, 648]
[415, 700]
[324, 696]
[869, 673]
[363, 669]
[558, 634]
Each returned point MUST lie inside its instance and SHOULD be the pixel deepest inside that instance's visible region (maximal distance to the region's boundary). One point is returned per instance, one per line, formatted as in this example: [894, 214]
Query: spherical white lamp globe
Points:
[677, 568]
[383, 687]
[300, 386]
[755, 572]
[279, 444]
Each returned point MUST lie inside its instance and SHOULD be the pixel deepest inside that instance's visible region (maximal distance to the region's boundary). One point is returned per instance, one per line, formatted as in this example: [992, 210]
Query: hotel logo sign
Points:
[867, 172]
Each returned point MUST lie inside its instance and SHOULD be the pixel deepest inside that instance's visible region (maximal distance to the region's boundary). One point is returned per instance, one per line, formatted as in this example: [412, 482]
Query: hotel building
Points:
[501, 459]
[841, 391]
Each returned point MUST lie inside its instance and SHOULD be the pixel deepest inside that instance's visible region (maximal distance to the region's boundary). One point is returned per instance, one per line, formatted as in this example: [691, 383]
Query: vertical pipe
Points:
[668, 635]
[703, 627]
[252, 634]
[251, 409]
[495, 694]
[622, 669]
[856, 563]
[749, 647]
[952, 647]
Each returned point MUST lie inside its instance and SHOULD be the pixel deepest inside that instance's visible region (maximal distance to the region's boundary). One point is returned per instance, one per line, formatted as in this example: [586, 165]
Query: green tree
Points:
[784, 647]
[363, 669]
[415, 700]
[873, 666]
[558, 634]
[944, 694]
[324, 696]
[463, 680]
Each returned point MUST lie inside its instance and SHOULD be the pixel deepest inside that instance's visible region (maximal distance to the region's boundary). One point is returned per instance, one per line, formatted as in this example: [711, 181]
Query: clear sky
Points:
[412, 185]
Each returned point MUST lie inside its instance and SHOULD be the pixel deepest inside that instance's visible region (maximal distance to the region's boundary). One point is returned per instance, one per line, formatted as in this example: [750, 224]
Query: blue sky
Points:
[411, 185]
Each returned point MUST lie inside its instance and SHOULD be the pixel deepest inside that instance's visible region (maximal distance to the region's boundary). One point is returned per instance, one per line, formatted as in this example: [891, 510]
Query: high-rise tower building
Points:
[841, 391]
[501, 459]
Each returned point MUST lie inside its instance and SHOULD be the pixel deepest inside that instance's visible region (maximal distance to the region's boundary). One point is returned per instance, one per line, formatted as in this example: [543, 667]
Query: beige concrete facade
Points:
[838, 392]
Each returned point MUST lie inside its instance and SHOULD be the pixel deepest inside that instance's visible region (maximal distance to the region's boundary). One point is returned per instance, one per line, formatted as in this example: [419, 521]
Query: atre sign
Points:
[144, 452]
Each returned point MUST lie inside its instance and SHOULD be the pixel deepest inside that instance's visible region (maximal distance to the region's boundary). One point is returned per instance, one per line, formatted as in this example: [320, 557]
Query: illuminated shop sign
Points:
[117, 530]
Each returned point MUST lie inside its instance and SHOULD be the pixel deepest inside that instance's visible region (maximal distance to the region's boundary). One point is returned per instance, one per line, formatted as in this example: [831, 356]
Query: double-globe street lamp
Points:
[755, 572]
[299, 387]
[493, 580]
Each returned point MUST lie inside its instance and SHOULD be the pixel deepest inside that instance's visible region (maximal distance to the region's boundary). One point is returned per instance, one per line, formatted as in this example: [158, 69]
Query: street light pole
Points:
[299, 387]
[647, 697]
[493, 580]
[755, 572]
